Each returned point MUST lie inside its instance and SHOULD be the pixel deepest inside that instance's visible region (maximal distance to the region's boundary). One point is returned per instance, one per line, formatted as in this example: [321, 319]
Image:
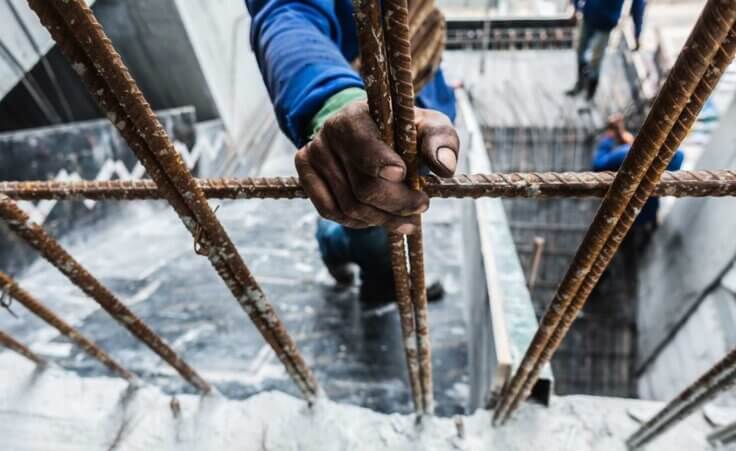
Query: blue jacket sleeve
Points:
[296, 43]
[608, 155]
[637, 13]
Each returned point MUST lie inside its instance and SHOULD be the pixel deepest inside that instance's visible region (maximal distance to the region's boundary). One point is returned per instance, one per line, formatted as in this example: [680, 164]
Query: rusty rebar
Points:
[718, 378]
[533, 185]
[18, 347]
[34, 235]
[9, 286]
[374, 71]
[89, 50]
[624, 197]
[398, 50]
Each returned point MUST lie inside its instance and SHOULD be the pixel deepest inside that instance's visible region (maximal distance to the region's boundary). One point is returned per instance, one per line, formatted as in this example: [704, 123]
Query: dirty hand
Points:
[355, 179]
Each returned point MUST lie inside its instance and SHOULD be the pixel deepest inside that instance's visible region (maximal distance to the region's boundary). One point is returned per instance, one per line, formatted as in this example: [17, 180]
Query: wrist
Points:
[334, 104]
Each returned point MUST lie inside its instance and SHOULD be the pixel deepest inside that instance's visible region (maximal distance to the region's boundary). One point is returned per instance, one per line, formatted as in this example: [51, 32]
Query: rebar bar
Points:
[691, 68]
[85, 44]
[33, 234]
[538, 248]
[717, 379]
[18, 347]
[9, 286]
[533, 185]
[398, 50]
[679, 131]
[376, 80]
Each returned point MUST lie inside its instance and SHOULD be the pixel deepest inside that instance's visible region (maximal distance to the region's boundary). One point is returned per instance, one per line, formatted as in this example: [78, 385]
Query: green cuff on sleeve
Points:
[333, 105]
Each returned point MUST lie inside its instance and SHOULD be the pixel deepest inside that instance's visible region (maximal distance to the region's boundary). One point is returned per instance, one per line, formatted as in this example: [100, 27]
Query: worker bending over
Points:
[306, 50]
[599, 17]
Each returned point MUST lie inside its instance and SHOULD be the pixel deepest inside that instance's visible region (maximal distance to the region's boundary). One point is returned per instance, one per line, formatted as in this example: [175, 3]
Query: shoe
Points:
[591, 89]
[342, 274]
[577, 89]
[377, 294]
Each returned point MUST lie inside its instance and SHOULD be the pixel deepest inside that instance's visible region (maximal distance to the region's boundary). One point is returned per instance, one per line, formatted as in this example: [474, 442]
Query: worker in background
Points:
[612, 148]
[306, 50]
[599, 17]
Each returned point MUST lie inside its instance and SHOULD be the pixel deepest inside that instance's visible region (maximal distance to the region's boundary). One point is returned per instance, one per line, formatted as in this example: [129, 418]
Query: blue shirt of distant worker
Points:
[599, 17]
[610, 153]
[304, 50]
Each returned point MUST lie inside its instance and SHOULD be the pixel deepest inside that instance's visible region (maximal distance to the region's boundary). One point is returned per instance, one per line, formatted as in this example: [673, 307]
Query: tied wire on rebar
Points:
[630, 189]
[14, 291]
[84, 43]
[533, 185]
[34, 235]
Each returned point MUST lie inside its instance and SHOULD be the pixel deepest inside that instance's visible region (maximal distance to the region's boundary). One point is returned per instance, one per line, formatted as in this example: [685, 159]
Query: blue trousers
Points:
[368, 248]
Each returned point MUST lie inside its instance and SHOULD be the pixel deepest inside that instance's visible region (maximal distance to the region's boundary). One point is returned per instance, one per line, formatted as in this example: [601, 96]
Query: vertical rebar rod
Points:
[537, 250]
[51, 250]
[14, 345]
[703, 44]
[718, 66]
[717, 379]
[85, 44]
[398, 49]
[374, 70]
[9, 286]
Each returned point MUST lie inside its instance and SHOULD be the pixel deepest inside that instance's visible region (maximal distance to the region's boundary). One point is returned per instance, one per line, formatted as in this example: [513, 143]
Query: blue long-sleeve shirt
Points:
[609, 155]
[303, 48]
[605, 14]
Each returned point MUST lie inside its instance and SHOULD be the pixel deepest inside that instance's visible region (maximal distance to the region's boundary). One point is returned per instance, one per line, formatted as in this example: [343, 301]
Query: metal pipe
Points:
[717, 379]
[398, 47]
[691, 67]
[532, 185]
[9, 286]
[39, 239]
[95, 60]
[538, 248]
[376, 80]
[679, 131]
[14, 345]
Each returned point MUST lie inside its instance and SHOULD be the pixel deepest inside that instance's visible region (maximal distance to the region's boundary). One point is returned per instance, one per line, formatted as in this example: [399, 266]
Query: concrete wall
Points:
[687, 300]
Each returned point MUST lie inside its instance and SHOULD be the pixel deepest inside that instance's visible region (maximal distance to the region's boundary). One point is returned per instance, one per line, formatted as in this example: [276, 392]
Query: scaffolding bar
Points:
[84, 43]
[9, 286]
[691, 67]
[533, 185]
[375, 75]
[398, 49]
[717, 379]
[12, 344]
[39, 239]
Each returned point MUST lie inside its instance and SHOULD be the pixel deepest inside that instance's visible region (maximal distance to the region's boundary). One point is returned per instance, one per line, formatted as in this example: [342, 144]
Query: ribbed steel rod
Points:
[398, 49]
[85, 44]
[717, 379]
[9, 286]
[374, 70]
[679, 131]
[533, 185]
[34, 235]
[703, 44]
[14, 345]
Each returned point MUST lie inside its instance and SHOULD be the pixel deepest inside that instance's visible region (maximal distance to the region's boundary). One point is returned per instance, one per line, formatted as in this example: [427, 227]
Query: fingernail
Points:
[447, 158]
[392, 173]
[405, 229]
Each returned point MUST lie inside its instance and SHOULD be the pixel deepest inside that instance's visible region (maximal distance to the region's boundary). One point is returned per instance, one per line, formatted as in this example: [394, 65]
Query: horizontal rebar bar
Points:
[82, 40]
[16, 346]
[9, 286]
[51, 250]
[717, 379]
[536, 185]
[691, 68]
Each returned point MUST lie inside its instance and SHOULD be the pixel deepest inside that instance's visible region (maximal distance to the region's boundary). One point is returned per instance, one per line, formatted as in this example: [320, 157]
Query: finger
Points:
[351, 208]
[317, 190]
[438, 142]
[391, 197]
[355, 140]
